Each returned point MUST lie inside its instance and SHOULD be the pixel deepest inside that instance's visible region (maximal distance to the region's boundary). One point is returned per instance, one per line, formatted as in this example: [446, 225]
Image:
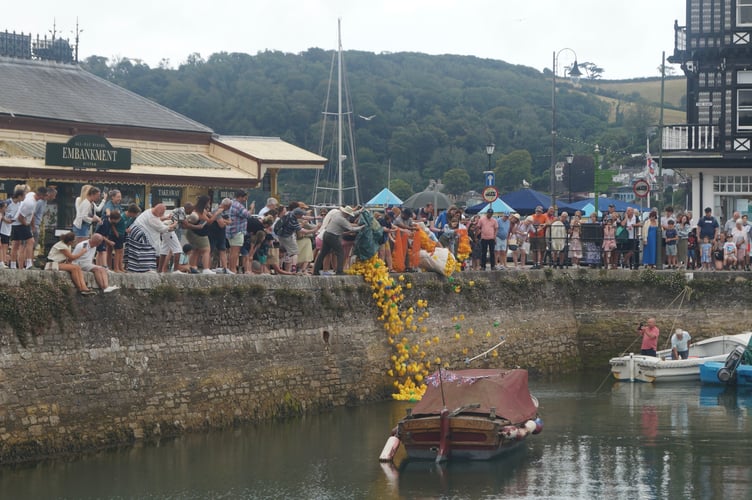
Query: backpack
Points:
[278, 226]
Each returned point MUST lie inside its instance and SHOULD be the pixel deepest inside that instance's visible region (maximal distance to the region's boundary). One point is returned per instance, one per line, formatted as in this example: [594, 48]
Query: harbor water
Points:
[621, 440]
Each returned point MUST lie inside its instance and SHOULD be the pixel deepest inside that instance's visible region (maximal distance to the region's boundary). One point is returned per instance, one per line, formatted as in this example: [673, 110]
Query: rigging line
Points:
[485, 353]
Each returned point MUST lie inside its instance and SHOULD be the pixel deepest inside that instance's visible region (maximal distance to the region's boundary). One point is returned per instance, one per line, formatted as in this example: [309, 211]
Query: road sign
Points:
[641, 188]
[490, 194]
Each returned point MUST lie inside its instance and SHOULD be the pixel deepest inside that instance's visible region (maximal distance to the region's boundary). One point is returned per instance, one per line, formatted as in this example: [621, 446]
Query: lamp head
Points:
[490, 149]
[570, 158]
[575, 72]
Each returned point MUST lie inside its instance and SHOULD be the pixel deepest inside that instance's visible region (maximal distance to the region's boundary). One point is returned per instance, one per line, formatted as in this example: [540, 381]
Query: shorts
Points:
[671, 250]
[289, 244]
[237, 240]
[4, 239]
[525, 247]
[86, 266]
[501, 244]
[170, 244]
[218, 242]
[538, 244]
[197, 241]
[20, 233]
[272, 258]
[84, 231]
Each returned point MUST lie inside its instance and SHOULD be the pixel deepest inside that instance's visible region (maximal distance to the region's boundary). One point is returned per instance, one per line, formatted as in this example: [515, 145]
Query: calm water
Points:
[625, 441]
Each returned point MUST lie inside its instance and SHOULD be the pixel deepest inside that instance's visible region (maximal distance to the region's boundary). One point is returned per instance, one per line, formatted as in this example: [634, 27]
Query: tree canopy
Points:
[429, 116]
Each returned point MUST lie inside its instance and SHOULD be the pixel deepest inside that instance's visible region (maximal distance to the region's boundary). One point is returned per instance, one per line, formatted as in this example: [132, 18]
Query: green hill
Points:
[433, 115]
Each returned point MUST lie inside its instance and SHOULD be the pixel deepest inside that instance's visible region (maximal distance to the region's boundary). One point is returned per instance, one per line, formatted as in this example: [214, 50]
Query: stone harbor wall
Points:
[180, 353]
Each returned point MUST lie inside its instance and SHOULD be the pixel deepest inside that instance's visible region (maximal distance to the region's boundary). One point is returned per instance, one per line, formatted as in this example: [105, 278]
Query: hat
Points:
[298, 212]
[515, 215]
[348, 210]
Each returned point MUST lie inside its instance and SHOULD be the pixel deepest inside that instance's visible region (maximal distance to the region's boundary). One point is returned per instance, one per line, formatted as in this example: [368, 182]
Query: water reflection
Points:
[624, 441]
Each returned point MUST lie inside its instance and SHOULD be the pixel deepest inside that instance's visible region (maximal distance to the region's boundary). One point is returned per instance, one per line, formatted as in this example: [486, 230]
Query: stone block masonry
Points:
[182, 353]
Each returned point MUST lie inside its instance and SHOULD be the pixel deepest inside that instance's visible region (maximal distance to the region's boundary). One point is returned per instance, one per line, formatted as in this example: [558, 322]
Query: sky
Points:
[625, 38]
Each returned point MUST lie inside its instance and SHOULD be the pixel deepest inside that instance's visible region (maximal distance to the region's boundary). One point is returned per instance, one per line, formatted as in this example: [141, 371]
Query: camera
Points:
[641, 325]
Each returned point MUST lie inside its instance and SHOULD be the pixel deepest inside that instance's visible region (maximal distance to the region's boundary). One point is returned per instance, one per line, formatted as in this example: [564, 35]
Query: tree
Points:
[400, 188]
[513, 169]
[456, 181]
[592, 71]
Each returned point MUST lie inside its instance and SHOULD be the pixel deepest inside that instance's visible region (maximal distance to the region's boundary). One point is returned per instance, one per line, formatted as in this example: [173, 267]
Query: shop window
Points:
[744, 109]
[744, 12]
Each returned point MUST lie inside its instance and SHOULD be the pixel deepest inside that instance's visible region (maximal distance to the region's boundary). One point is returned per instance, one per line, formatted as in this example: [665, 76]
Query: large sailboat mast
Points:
[339, 112]
[332, 178]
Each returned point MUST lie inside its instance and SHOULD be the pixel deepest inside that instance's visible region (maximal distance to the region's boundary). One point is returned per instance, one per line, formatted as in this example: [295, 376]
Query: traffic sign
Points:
[641, 188]
[490, 194]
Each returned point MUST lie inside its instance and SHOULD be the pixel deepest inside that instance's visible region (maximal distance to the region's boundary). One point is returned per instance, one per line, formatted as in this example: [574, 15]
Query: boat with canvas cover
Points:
[467, 414]
[662, 368]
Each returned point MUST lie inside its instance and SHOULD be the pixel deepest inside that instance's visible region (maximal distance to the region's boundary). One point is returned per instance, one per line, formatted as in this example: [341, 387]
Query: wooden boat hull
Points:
[470, 437]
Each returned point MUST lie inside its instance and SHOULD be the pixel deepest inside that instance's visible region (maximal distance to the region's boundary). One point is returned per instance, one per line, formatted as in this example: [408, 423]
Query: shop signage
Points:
[88, 151]
[167, 192]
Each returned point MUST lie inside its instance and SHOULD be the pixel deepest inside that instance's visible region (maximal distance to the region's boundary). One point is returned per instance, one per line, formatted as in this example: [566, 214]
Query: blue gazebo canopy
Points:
[524, 201]
[496, 207]
[384, 198]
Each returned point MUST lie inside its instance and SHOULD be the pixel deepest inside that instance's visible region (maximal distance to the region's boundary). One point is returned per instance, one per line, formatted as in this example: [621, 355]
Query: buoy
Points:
[538, 425]
[390, 449]
[530, 426]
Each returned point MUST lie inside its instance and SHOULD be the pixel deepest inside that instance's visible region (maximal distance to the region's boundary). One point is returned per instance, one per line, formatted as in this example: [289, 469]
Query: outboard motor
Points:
[726, 374]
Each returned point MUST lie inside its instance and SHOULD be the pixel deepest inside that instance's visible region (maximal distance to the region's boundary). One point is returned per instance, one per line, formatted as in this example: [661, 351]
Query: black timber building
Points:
[714, 147]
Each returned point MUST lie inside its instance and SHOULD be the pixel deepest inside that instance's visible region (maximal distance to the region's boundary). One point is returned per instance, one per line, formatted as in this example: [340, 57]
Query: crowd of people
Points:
[231, 237]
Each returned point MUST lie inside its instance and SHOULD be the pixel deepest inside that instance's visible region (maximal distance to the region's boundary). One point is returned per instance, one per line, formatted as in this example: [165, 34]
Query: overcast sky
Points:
[625, 38]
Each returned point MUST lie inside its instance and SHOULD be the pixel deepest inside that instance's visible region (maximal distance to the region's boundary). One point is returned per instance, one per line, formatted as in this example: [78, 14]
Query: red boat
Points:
[467, 414]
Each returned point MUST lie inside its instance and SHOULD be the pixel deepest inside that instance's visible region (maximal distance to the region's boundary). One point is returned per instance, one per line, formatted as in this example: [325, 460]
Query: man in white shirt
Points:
[86, 261]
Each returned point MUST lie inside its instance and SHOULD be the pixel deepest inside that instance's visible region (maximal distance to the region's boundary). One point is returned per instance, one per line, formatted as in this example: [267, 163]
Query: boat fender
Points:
[390, 449]
[513, 432]
[538, 425]
[530, 426]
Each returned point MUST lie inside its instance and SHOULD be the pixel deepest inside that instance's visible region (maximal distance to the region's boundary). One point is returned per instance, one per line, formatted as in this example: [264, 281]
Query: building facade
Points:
[714, 147]
[63, 126]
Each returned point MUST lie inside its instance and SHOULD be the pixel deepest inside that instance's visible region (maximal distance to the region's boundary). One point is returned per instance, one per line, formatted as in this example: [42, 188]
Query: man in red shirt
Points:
[649, 334]
[538, 241]
[488, 226]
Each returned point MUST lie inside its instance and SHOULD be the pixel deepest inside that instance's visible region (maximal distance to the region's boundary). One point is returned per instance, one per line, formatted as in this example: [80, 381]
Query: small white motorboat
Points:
[636, 367]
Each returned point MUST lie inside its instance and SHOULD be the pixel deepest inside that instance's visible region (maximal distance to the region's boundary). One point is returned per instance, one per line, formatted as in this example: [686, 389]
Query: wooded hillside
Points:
[431, 116]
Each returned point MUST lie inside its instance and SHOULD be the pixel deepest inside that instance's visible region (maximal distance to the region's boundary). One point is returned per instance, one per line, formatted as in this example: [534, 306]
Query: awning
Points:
[237, 162]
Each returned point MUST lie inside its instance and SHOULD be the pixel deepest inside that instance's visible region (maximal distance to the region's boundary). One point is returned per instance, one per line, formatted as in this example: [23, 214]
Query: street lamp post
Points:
[570, 161]
[574, 73]
[490, 151]
[595, 179]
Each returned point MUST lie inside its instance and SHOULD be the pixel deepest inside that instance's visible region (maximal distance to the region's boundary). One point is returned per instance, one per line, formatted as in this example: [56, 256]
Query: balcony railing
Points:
[690, 138]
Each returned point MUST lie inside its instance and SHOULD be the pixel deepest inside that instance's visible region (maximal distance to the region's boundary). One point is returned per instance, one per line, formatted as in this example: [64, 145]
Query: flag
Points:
[651, 169]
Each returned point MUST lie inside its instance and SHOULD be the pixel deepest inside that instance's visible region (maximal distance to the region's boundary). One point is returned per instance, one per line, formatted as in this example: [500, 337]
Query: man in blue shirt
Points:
[501, 241]
[708, 226]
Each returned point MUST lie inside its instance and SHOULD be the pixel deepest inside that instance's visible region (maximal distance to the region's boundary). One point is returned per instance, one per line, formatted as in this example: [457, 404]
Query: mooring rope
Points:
[485, 353]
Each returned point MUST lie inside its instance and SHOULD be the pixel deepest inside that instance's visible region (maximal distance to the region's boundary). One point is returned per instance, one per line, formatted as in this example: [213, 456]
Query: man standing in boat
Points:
[680, 344]
[649, 334]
